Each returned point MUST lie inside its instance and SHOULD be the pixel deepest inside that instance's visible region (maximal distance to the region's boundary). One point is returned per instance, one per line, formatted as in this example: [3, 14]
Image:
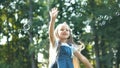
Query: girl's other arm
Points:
[83, 59]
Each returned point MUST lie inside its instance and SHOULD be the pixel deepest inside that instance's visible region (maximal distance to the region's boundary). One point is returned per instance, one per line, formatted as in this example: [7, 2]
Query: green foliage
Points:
[24, 23]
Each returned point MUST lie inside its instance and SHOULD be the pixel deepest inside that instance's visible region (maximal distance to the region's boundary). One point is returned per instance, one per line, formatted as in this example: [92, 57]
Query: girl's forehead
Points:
[64, 26]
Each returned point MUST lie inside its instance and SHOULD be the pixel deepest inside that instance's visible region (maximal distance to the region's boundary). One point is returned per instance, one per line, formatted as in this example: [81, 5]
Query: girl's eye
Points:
[61, 29]
[64, 29]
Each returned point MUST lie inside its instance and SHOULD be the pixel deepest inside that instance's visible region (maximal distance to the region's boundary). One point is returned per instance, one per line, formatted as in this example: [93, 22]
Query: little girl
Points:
[62, 48]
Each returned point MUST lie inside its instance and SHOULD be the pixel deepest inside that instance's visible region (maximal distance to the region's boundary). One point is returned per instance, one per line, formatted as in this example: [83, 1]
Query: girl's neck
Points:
[63, 41]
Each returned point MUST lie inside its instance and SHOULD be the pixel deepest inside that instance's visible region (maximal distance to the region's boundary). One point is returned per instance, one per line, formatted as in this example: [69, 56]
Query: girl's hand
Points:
[53, 13]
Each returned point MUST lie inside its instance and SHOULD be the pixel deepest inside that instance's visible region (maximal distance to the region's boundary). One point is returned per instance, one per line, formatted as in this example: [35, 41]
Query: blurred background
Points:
[24, 41]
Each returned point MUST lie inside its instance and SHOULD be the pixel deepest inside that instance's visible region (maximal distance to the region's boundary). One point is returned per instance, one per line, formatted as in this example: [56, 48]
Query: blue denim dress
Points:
[65, 57]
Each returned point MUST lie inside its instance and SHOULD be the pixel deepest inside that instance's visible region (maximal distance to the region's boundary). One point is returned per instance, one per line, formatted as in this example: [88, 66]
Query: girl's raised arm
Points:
[53, 14]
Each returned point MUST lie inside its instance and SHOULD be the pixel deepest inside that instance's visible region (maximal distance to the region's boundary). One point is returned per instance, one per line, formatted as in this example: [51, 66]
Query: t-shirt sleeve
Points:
[74, 48]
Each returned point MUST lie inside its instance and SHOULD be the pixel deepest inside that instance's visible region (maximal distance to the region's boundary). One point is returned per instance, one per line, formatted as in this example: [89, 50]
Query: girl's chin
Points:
[65, 38]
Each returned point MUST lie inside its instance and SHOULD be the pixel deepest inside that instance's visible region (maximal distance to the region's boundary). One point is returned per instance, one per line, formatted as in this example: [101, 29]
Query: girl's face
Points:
[63, 32]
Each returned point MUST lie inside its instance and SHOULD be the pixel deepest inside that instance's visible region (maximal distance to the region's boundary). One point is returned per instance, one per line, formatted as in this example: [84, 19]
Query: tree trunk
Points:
[97, 53]
[30, 35]
[96, 46]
